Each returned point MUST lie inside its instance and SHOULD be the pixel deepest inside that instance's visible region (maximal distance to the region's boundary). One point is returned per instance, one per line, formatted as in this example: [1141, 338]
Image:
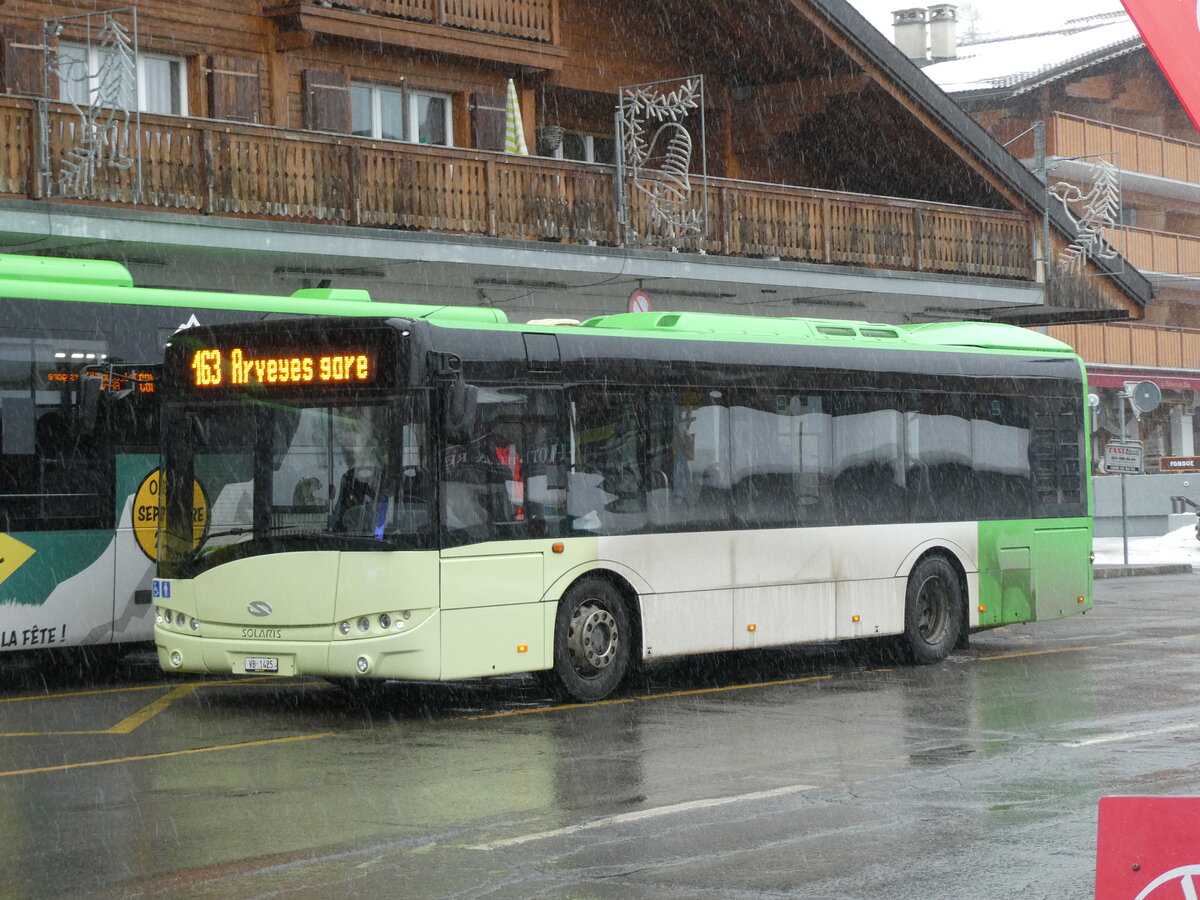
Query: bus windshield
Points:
[277, 475]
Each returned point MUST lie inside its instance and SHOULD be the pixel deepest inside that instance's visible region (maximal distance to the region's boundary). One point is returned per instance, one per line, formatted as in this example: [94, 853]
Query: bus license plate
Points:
[262, 664]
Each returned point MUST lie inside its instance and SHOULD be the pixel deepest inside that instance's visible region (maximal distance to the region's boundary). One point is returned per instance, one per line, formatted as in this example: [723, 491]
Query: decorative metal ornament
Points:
[655, 170]
[1092, 214]
[101, 88]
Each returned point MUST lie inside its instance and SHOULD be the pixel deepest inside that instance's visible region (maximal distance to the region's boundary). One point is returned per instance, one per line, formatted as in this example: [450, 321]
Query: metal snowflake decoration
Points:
[1092, 214]
[658, 151]
[103, 133]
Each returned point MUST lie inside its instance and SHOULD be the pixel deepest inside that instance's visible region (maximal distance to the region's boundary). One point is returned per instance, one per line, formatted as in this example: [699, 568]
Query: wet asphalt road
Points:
[826, 773]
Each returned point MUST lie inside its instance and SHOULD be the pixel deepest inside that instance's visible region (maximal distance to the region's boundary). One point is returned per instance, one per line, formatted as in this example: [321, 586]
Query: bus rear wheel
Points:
[932, 611]
[591, 639]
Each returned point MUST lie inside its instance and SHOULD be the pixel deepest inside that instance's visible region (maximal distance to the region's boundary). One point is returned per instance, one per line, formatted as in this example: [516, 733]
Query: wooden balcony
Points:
[1142, 346]
[224, 169]
[1138, 151]
[516, 32]
[1158, 251]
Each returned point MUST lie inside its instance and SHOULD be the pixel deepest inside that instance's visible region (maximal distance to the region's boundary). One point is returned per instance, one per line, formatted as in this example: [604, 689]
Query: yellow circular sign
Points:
[147, 506]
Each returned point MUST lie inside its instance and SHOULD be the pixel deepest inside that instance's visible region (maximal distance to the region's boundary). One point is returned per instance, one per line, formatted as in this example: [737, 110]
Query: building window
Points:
[91, 75]
[401, 114]
[587, 148]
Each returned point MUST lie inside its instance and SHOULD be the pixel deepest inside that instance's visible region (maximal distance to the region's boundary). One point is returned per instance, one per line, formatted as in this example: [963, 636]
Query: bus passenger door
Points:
[502, 495]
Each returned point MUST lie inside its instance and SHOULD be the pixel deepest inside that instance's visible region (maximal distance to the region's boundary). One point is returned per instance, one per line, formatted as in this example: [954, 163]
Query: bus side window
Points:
[605, 485]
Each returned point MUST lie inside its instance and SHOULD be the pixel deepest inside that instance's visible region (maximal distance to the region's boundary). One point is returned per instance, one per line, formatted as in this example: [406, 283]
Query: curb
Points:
[1119, 571]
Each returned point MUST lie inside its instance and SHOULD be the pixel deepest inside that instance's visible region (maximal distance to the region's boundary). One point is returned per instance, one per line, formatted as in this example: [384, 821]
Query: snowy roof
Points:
[1024, 62]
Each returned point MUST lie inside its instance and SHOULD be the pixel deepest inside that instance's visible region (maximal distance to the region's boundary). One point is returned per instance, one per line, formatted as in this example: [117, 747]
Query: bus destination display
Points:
[238, 368]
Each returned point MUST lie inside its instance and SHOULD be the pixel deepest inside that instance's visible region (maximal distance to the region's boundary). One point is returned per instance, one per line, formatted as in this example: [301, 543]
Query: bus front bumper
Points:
[412, 656]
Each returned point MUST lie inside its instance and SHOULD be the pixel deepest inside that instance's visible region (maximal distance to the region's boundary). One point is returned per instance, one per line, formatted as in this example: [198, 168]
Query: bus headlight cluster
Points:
[373, 626]
[171, 619]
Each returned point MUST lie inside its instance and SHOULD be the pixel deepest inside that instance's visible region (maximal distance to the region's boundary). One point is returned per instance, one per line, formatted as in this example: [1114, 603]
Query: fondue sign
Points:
[237, 368]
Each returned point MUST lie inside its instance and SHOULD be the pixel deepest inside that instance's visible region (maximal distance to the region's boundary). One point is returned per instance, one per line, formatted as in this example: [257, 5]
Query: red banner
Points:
[1147, 847]
[1171, 29]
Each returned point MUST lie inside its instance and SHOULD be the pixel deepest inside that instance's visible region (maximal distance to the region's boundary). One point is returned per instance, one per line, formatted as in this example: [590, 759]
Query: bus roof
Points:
[104, 281]
[981, 335]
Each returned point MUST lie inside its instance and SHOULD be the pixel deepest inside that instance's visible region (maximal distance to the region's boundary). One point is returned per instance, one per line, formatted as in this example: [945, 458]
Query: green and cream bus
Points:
[80, 352]
[574, 500]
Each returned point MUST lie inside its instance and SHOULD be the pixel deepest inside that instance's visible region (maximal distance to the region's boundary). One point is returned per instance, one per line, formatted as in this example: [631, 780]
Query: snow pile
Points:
[1179, 546]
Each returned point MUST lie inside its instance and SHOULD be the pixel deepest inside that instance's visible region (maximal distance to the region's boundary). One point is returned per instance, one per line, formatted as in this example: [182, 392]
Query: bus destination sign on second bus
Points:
[239, 368]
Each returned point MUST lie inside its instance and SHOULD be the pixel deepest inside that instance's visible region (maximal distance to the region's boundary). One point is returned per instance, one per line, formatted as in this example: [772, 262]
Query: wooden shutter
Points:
[487, 120]
[22, 61]
[233, 88]
[326, 100]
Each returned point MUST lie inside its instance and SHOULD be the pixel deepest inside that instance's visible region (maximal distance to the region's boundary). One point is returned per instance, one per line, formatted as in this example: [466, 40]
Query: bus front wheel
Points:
[932, 611]
[591, 639]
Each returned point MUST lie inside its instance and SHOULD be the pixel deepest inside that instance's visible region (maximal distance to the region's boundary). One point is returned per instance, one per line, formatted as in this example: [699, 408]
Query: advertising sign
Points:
[1179, 464]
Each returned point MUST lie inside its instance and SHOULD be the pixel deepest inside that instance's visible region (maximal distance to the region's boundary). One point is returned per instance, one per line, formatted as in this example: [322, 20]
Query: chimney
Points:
[943, 37]
[911, 33]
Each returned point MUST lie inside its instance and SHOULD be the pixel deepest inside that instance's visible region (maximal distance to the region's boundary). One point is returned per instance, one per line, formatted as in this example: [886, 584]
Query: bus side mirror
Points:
[459, 415]
[91, 385]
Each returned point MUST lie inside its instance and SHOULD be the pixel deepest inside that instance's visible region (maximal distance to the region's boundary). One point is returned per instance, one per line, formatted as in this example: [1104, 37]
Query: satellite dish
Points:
[1144, 396]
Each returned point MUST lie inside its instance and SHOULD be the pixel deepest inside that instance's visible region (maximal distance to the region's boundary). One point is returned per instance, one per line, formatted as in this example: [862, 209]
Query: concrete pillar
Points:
[911, 33]
[1182, 439]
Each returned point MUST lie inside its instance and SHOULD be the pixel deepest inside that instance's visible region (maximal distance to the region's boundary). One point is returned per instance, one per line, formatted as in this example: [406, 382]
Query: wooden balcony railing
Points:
[1135, 151]
[532, 20]
[1144, 346]
[221, 168]
[1158, 251]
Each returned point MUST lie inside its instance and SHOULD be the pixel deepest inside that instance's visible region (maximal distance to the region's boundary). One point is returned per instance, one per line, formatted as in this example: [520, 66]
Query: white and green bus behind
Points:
[407, 499]
[80, 352]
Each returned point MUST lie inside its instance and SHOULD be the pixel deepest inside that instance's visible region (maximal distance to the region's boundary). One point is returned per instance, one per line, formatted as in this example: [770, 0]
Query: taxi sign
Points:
[1123, 457]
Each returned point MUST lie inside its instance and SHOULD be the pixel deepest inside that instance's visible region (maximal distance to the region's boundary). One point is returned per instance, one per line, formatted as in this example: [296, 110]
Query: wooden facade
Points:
[814, 154]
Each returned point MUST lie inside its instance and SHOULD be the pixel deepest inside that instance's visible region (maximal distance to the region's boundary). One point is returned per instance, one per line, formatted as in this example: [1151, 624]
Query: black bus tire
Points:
[591, 639]
[932, 611]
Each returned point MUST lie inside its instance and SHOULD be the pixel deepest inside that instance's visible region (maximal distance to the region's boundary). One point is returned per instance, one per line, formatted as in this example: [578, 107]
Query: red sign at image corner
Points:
[1171, 29]
[1148, 848]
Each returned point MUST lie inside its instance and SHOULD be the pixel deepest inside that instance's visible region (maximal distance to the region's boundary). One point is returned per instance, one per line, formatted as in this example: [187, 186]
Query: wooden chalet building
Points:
[361, 144]
[1101, 96]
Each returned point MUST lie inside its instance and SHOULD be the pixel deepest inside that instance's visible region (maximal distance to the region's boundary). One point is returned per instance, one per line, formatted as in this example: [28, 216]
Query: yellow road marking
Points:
[711, 690]
[143, 715]
[122, 690]
[146, 713]
[142, 687]
[1034, 653]
[169, 753]
[130, 723]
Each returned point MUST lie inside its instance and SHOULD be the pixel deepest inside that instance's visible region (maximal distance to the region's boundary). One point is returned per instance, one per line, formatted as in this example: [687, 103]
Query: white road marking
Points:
[1129, 735]
[640, 815]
